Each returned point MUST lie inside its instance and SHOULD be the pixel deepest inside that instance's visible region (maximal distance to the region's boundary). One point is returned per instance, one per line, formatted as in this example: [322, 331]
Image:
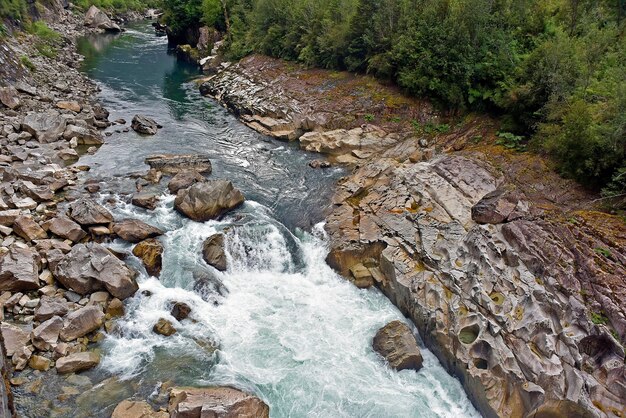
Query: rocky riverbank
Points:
[513, 277]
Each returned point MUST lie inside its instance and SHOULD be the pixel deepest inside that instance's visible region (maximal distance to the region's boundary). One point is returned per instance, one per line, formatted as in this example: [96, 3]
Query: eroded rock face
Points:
[19, 270]
[396, 343]
[215, 401]
[144, 125]
[176, 163]
[91, 267]
[208, 200]
[134, 230]
[213, 252]
[150, 252]
[506, 306]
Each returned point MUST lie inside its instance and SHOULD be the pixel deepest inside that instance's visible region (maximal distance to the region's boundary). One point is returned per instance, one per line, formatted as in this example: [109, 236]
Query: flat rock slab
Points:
[134, 230]
[77, 362]
[175, 163]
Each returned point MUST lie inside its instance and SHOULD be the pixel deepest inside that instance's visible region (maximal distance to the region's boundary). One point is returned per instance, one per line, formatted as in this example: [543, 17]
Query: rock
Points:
[396, 343]
[145, 200]
[45, 127]
[21, 357]
[27, 228]
[136, 409]
[175, 163]
[319, 164]
[215, 402]
[144, 125]
[134, 230]
[40, 363]
[361, 276]
[10, 97]
[87, 212]
[164, 327]
[180, 311]
[47, 333]
[69, 105]
[183, 180]
[66, 228]
[115, 308]
[81, 322]
[213, 252]
[150, 252]
[497, 207]
[77, 362]
[19, 270]
[14, 338]
[208, 200]
[100, 113]
[49, 307]
[96, 18]
[7, 217]
[83, 135]
[91, 267]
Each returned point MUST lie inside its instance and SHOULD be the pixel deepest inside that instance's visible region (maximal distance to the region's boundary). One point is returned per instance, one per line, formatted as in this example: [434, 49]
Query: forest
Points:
[553, 70]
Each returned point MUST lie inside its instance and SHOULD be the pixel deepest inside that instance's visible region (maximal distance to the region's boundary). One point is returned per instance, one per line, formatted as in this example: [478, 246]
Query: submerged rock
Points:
[144, 125]
[150, 252]
[134, 230]
[208, 200]
[176, 163]
[164, 327]
[215, 402]
[213, 252]
[396, 343]
[180, 311]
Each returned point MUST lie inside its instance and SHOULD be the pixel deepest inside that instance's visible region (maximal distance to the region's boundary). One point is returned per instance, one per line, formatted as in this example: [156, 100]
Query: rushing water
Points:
[286, 327]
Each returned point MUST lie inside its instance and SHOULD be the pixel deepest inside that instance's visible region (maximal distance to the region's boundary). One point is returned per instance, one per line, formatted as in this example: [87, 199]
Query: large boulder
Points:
[87, 213]
[91, 267]
[208, 200]
[19, 270]
[175, 163]
[136, 409]
[66, 228]
[134, 230]
[183, 180]
[144, 125]
[26, 227]
[225, 402]
[81, 322]
[150, 253]
[45, 127]
[396, 343]
[77, 362]
[213, 252]
[96, 18]
[146, 200]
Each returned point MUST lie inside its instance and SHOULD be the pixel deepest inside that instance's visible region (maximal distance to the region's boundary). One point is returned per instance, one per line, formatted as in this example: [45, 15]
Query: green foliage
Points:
[13, 9]
[117, 5]
[511, 141]
[603, 251]
[599, 318]
[369, 117]
[27, 63]
[47, 39]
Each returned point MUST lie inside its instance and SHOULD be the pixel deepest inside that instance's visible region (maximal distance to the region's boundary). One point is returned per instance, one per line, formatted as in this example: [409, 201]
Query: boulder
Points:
[49, 307]
[213, 252]
[7, 217]
[27, 228]
[47, 333]
[175, 163]
[87, 212]
[83, 135]
[208, 200]
[164, 327]
[19, 270]
[134, 230]
[40, 363]
[221, 401]
[91, 267]
[65, 228]
[183, 180]
[497, 207]
[69, 105]
[150, 252]
[146, 200]
[180, 311]
[96, 18]
[10, 97]
[77, 362]
[144, 125]
[45, 127]
[361, 276]
[136, 409]
[396, 343]
[15, 338]
[81, 322]
[100, 113]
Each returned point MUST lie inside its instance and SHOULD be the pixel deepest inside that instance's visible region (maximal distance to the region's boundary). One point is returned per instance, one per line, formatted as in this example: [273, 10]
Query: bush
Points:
[27, 63]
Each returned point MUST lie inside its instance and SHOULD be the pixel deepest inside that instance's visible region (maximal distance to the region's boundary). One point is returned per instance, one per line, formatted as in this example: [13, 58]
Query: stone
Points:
[150, 253]
[47, 333]
[40, 363]
[396, 343]
[208, 200]
[183, 180]
[134, 230]
[319, 164]
[144, 125]
[221, 401]
[50, 307]
[27, 228]
[20, 358]
[77, 362]
[496, 207]
[96, 18]
[213, 252]
[100, 113]
[14, 338]
[19, 270]
[361, 276]
[180, 311]
[175, 163]
[146, 200]
[115, 308]
[81, 322]
[136, 409]
[87, 212]
[66, 228]
[164, 327]
[91, 267]
[46, 127]
[7, 217]
[10, 97]
[83, 135]
[69, 105]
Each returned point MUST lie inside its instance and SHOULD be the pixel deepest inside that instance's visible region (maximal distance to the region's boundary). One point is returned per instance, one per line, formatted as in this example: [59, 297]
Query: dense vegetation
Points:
[554, 69]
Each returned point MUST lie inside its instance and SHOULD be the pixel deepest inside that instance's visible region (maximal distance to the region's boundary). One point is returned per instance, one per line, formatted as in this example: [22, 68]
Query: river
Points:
[286, 327]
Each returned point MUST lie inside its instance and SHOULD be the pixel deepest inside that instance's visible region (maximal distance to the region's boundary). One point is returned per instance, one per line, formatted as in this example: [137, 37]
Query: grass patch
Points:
[47, 39]
[603, 251]
[598, 318]
[27, 63]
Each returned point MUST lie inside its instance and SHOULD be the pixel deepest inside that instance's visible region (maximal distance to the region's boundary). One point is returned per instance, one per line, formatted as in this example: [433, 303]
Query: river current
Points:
[279, 322]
